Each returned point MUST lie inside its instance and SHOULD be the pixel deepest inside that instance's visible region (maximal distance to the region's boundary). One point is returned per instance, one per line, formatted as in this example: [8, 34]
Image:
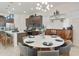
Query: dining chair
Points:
[27, 51]
[48, 53]
[69, 35]
[65, 50]
[32, 52]
[5, 40]
[23, 50]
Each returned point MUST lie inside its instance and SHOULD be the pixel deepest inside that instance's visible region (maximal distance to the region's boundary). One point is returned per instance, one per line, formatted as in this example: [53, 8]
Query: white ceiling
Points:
[64, 7]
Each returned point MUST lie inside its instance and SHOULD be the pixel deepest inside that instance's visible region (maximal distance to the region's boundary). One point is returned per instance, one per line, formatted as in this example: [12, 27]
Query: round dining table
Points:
[39, 40]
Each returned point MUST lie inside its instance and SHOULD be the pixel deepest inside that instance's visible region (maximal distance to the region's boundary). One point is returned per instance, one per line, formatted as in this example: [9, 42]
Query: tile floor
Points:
[74, 51]
[9, 51]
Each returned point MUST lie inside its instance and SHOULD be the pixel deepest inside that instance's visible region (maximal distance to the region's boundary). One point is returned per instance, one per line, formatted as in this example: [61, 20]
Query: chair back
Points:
[23, 50]
[27, 51]
[65, 50]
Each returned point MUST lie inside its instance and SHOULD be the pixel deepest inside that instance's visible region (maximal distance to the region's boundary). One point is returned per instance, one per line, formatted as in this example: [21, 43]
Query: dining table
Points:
[43, 41]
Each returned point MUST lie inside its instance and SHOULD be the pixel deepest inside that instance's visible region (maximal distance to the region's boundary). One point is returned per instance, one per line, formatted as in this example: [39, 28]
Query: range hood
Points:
[57, 16]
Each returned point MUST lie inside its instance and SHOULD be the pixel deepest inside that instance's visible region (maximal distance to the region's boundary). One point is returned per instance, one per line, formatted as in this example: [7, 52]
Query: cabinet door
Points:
[2, 21]
[35, 21]
[20, 37]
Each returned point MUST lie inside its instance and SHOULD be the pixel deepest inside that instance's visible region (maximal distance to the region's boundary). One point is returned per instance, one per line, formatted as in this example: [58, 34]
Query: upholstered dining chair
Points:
[48, 53]
[23, 50]
[65, 50]
[27, 51]
[68, 35]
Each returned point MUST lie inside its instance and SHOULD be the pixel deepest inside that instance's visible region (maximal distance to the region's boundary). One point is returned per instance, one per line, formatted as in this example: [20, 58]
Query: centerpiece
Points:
[42, 31]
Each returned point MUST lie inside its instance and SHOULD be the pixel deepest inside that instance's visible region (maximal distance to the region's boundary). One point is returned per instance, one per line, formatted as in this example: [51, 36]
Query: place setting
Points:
[58, 40]
[29, 41]
[47, 43]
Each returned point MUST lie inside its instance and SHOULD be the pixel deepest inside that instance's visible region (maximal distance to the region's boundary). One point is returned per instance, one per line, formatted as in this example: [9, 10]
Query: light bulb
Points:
[47, 7]
[37, 8]
[51, 5]
[13, 8]
[38, 4]
[24, 11]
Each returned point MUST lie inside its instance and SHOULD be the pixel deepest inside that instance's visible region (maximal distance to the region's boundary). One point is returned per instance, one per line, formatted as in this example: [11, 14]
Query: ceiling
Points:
[19, 8]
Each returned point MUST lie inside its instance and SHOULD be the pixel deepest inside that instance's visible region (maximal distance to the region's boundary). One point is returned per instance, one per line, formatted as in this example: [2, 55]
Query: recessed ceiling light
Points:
[24, 11]
[13, 9]
[19, 3]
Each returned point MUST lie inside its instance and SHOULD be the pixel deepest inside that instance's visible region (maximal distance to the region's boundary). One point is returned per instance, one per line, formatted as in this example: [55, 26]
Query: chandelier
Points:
[43, 6]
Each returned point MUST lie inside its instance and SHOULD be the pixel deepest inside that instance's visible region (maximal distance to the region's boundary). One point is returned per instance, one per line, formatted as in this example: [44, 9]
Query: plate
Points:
[31, 36]
[58, 40]
[47, 43]
[29, 41]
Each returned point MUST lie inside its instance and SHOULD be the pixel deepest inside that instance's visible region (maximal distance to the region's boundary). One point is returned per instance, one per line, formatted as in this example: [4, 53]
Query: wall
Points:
[57, 24]
[74, 20]
[20, 22]
[75, 23]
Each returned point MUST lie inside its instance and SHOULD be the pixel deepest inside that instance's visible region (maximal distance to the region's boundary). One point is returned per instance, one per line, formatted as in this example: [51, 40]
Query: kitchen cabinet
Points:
[33, 21]
[2, 21]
